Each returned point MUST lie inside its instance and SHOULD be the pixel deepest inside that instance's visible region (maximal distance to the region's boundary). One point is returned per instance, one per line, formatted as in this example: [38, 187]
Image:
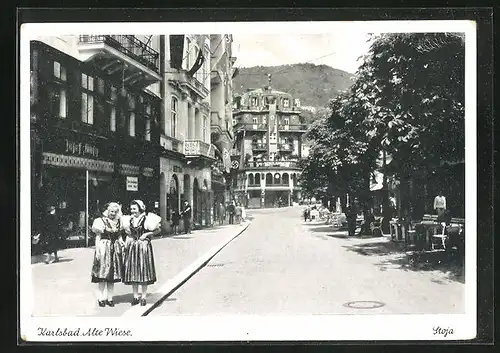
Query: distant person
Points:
[307, 214]
[243, 214]
[351, 215]
[51, 234]
[175, 221]
[231, 209]
[186, 217]
[222, 213]
[440, 203]
[238, 213]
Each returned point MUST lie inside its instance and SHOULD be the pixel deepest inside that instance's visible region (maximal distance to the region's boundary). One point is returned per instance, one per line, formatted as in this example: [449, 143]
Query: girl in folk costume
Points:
[108, 260]
[139, 260]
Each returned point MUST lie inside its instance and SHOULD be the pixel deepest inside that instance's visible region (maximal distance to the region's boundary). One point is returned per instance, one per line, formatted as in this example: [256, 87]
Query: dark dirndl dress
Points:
[108, 258]
[139, 259]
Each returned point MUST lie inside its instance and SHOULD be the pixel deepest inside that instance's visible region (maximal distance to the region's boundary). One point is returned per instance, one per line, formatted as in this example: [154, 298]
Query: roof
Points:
[265, 91]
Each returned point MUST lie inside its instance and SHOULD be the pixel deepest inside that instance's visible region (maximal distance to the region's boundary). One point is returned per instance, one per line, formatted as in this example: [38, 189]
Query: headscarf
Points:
[113, 205]
[142, 206]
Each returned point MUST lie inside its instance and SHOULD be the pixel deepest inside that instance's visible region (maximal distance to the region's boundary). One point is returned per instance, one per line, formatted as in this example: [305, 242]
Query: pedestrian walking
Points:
[175, 221]
[107, 267]
[307, 214]
[186, 217]
[222, 213]
[237, 213]
[243, 214]
[51, 234]
[231, 209]
[351, 215]
[139, 259]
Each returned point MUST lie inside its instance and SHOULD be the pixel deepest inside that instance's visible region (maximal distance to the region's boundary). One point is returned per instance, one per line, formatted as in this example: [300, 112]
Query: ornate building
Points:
[95, 108]
[268, 134]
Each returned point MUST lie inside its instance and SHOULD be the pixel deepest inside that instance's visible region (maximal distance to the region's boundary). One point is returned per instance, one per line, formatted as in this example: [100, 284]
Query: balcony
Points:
[121, 57]
[171, 144]
[267, 164]
[285, 147]
[292, 127]
[259, 146]
[216, 122]
[188, 84]
[250, 126]
[198, 149]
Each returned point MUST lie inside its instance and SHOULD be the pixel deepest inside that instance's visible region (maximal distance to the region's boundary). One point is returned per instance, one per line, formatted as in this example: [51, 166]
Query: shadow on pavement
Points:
[447, 262]
[36, 259]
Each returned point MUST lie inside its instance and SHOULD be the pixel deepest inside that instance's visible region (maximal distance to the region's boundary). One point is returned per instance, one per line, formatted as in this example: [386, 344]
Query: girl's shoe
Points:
[143, 302]
[135, 301]
[102, 303]
[110, 303]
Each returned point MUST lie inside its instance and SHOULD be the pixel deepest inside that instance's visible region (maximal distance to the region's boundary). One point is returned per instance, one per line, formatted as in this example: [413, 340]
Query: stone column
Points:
[191, 122]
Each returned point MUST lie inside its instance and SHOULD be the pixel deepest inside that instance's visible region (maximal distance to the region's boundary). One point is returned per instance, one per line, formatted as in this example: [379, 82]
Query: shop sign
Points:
[132, 183]
[81, 149]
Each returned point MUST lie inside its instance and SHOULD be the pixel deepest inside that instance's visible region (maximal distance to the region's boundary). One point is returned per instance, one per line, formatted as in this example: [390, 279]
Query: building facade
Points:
[268, 134]
[221, 123]
[186, 151]
[95, 112]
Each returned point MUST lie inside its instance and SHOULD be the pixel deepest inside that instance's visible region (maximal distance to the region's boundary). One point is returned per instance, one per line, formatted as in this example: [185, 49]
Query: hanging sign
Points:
[132, 183]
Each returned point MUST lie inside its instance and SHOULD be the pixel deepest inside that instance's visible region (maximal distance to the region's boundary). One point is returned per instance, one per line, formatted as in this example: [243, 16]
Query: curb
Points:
[182, 277]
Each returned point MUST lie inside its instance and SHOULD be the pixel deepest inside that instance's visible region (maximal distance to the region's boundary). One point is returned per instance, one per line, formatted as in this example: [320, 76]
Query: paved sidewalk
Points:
[64, 288]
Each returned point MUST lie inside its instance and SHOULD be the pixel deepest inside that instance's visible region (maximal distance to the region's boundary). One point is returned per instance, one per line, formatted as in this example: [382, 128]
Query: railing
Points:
[292, 127]
[128, 45]
[171, 143]
[263, 164]
[216, 119]
[266, 107]
[259, 146]
[198, 148]
[285, 146]
[251, 126]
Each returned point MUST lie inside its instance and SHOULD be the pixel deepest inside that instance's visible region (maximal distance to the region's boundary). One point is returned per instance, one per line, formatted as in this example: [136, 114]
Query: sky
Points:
[338, 50]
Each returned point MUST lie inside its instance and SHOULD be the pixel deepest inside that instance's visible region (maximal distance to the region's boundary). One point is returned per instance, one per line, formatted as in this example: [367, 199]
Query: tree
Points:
[407, 100]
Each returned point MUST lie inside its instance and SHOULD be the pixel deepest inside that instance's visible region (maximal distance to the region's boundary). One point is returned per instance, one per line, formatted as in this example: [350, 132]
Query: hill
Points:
[313, 84]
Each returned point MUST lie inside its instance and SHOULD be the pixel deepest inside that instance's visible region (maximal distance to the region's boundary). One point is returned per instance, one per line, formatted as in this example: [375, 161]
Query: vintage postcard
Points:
[248, 181]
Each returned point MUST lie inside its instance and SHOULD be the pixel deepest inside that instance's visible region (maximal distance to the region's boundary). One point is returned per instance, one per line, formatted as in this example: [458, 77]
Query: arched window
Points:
[250, 179]
[257, 178]
[269, 179]
[277, 178]
[286, 179]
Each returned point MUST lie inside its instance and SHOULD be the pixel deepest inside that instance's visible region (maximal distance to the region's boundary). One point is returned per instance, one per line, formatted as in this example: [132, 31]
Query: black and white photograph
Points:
[242, 181]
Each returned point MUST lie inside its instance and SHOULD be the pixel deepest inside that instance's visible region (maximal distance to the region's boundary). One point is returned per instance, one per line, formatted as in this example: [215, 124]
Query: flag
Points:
[197, 64]
[176, 51]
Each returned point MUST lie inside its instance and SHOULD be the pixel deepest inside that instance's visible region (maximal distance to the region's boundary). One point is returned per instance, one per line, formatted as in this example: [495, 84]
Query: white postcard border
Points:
[237, 328]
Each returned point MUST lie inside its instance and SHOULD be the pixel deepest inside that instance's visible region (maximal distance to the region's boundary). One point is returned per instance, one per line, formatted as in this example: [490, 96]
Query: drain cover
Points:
[364, 304]
[215, 265]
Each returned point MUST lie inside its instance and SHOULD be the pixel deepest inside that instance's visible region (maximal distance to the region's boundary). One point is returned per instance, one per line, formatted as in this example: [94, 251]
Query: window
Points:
[253, 101]
[131, 124]
[59, 71]
[147, 133]
[59, 103]
[131, 120]
[286, 121]
[255, 120]
[204, 127]
[173, 116]
[264, 120]
[112, 119]
[87, 99]
[286, 103]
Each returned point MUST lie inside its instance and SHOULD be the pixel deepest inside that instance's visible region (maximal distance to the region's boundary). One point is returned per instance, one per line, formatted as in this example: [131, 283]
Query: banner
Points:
[197, 64]
[176, 51]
